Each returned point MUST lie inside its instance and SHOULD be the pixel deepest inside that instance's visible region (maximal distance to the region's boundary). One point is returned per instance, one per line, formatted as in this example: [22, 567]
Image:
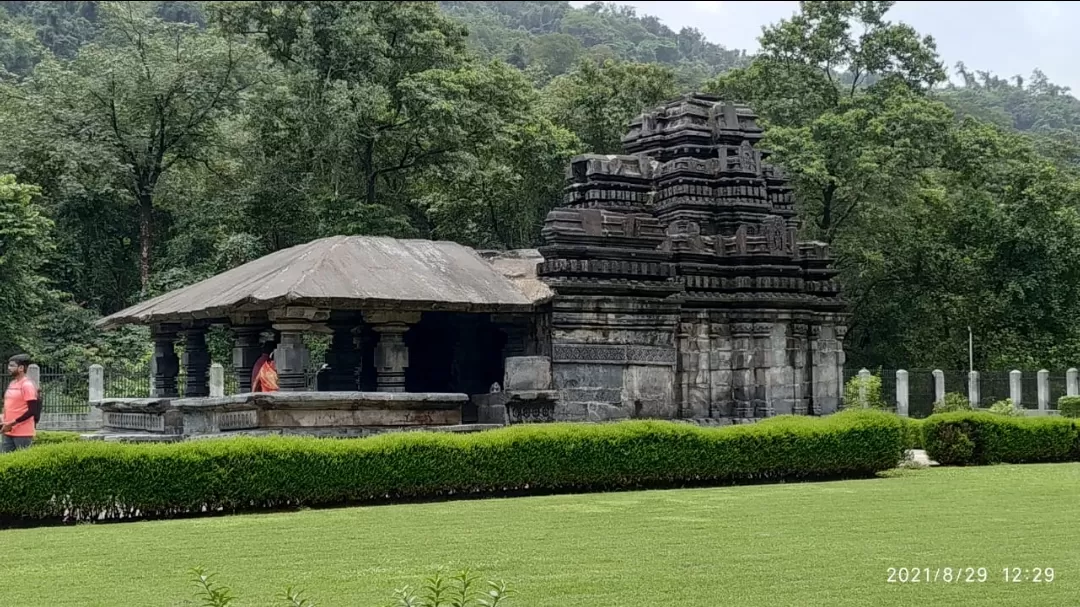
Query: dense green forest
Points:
[148, 145]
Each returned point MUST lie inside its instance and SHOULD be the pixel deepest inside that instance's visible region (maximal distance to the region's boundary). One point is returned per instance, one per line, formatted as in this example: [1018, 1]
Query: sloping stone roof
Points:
[343, 273]
[519, 265]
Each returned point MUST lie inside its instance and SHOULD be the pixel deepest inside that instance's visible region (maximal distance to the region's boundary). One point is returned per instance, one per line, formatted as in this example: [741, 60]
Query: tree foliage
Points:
[153, 144]
[24, 243]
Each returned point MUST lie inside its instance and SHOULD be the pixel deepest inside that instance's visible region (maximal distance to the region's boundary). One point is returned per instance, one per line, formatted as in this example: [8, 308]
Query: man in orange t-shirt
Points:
[22, 407]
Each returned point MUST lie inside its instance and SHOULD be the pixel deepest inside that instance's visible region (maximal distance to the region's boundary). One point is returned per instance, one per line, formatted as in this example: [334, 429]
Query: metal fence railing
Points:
[67, 391]
[63, 391]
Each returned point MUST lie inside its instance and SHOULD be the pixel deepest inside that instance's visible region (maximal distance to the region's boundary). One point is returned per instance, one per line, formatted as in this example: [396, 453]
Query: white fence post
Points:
[97, 392]
[864, 381]
[34, 373]
[939, 386]
[153, 372]
[1043, 382]
[217, 380]
[97, 383]
[1072, 382]
[973, 389]
[902, 393]
[1015, 388]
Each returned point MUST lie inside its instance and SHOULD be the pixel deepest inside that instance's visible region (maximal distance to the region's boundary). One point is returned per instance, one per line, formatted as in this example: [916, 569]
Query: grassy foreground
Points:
[795, 544]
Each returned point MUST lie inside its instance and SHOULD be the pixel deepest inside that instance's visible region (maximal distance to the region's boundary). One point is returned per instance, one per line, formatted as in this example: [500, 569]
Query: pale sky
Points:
[1006, 38]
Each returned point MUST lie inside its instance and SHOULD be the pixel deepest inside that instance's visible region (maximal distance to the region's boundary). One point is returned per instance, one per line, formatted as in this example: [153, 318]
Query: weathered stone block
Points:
[649, 391]
[577, 375]
[491, 408]
[571, 410]
[601, 412]
[527, 373]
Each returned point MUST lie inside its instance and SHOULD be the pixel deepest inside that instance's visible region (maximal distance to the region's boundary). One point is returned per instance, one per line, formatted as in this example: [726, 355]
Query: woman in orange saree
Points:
[267, 379]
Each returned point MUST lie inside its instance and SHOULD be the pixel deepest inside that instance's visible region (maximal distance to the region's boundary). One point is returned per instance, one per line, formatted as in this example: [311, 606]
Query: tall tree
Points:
[837, 75]
[24, 244]
[504, 180]
[596, 101]
[149, 93]
[374, 100]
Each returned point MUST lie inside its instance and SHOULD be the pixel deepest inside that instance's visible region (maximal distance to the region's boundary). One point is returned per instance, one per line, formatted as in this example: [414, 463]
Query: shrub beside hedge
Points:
[985, 438]
[108, 480]
[1069, 406]
[913, 433]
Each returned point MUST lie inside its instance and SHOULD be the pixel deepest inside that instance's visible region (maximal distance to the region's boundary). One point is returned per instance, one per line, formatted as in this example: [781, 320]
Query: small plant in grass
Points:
[952, 402]
[461, 590]
[295, 598]
[1069, 406]
[209, 591]
[1006, 407]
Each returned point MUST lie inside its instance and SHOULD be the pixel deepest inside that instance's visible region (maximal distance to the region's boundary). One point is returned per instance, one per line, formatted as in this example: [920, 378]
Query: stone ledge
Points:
[325, 400]
[339, 433]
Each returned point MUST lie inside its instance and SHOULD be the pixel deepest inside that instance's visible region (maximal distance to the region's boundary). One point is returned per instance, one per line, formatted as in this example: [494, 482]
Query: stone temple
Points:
[670, 284]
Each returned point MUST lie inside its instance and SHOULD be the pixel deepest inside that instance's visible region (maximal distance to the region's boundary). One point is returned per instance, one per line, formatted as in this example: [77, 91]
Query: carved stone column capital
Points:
[391, 352]
[298, 314]
[378, 318]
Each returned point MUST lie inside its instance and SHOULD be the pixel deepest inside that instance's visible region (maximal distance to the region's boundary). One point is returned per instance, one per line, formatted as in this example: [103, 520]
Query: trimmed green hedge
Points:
[49, 437]
[92, 480]
[985, 438]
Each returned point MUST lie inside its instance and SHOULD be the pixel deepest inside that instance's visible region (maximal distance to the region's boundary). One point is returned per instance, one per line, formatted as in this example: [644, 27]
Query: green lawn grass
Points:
[794, 544]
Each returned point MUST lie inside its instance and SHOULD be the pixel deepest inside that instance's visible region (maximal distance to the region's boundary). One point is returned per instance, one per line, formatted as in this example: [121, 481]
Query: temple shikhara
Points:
[670, 284]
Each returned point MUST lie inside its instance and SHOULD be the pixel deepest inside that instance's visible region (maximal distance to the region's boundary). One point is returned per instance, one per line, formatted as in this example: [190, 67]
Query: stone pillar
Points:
[686, 364]
[166, 363]
[864, 382]
[391, 353]
[217, 380]
[34, 373]
[1015, 388]
[780, 373]
[291, 356]
[762, 364]
[827, 370]
[1072, 382]
[839, 360]
[343, 357]
[196, 362]
[720, 376]
[246, 352]
[694, 347]
[902, 393]
[939, 386]
[800, 376]
[974, 396]
[97, 383]
[742, 370]
[1042, 378]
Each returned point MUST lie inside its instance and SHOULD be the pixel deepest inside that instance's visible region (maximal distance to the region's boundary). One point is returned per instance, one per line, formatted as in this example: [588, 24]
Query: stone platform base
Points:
[313, 413]
[147, 437]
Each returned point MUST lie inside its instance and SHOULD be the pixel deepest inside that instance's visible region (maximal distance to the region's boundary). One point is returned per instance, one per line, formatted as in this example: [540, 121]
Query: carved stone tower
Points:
[682, 289]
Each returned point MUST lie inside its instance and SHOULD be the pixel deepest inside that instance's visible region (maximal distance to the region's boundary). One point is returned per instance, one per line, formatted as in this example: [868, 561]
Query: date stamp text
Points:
[969, 575]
